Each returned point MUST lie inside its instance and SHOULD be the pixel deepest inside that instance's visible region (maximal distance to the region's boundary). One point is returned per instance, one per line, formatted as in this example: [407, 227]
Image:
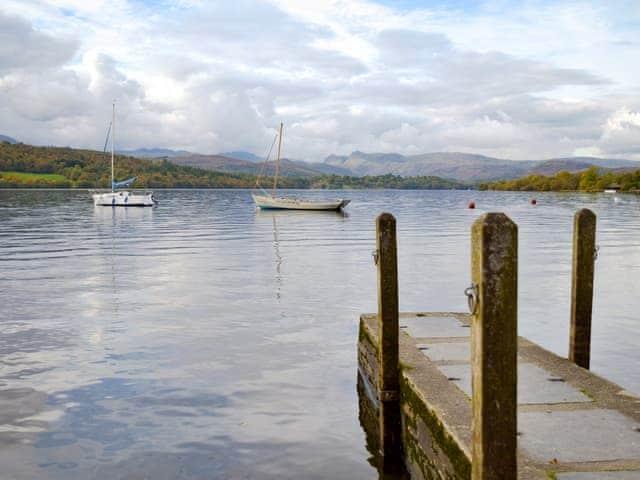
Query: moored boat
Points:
[116, 197]
[283, 203]
[272, 202]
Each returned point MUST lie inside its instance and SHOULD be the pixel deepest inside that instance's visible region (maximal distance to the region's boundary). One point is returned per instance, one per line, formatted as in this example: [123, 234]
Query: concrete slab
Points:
[447, 351]
[579, 436]
[535, 385]
[628, 475]
[434, 327]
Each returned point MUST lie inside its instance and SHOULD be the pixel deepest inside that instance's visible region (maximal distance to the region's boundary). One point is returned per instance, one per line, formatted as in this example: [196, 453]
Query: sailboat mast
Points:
[113, 141]
[275, 178]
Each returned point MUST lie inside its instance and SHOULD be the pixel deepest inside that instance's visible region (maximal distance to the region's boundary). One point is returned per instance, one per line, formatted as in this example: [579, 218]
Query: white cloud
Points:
[621, 133]
[526, 81]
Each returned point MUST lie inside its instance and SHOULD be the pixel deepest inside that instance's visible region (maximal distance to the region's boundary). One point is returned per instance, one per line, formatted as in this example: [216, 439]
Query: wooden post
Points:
[584, 249]
[388, 333]
[494, 339]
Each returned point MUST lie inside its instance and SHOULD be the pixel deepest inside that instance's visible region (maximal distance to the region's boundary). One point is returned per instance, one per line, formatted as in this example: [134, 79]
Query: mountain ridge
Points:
[466, 167]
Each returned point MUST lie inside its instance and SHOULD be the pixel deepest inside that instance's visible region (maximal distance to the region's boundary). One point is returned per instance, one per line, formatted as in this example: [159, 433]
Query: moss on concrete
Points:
[460, 463]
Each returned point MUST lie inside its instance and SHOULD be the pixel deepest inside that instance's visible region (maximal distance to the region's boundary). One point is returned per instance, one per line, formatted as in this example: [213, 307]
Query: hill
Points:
[29, 166]
[154, 153]
[246, 162]
[68, 167]
[4, 138]
[219, 163]
[464, 167]
[242, 155]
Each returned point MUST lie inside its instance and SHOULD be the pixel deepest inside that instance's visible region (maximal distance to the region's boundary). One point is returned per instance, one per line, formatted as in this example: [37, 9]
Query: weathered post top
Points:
[584, 252]
[494, 244]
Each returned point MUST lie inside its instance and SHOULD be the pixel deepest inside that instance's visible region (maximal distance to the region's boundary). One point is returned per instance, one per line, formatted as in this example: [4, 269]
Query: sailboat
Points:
[116, 197]
[267, 201]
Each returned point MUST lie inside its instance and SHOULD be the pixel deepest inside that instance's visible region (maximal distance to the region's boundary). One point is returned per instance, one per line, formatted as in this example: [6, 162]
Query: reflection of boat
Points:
[267, 201]
[282, 213]
[276, 245]
[121, 198]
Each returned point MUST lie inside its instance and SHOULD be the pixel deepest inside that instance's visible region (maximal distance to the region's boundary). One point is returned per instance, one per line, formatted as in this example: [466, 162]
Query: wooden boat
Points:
[272, 202]
[120, 198]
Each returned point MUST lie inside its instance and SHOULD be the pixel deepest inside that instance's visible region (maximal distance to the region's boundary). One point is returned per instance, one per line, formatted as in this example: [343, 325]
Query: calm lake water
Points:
[203, 339]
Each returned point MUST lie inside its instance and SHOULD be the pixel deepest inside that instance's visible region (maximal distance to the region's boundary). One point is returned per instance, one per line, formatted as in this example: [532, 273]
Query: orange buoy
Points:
[534, 201]
[472, 204]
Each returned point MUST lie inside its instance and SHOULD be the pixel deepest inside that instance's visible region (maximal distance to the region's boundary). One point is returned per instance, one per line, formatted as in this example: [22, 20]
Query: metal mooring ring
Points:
[472, 297]
[375, 256]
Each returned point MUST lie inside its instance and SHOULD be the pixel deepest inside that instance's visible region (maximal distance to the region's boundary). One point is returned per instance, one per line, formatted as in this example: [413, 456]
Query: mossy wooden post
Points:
[584, 249]
[388, 332]
[494, 252]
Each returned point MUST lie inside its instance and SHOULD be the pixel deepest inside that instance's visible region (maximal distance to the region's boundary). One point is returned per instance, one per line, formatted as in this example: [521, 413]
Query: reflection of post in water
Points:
[369, 421]
[276, 245]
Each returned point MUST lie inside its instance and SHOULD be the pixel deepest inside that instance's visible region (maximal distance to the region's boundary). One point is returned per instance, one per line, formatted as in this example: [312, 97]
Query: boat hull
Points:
[279, 203]
[123, 199]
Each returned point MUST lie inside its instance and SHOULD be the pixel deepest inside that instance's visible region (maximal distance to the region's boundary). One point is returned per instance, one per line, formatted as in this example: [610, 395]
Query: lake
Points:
[204, 339]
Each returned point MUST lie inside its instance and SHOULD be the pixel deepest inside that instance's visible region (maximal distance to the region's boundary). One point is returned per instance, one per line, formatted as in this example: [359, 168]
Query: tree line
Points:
[593, 179]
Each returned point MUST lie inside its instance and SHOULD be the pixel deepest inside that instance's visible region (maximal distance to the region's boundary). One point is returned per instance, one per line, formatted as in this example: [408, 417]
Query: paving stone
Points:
[454, 351]
[437, 327]
[628, 475]
[535, 385]
[579, 436]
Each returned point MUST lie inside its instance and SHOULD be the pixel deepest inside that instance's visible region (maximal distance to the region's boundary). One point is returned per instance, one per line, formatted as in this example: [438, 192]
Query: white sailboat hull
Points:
[124, 199]
[280, 203]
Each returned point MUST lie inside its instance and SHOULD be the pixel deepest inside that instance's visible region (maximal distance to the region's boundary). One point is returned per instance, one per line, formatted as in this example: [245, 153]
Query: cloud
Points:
[220, 76]
[621, 133]
[22, 47]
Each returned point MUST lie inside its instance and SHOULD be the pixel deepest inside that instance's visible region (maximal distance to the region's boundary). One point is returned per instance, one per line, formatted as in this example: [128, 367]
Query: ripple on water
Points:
[204, 339]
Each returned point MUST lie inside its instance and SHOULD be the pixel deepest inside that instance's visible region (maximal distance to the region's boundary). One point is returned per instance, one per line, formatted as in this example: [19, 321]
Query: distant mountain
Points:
[241, 155]
[602, 162]
[551, 167]
[4, 138]
[463, 167]
[154, 153]
[220, 163]
[323, 168]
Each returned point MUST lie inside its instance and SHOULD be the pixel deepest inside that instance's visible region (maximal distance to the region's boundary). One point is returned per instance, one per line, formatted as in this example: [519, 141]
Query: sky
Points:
[517, 80]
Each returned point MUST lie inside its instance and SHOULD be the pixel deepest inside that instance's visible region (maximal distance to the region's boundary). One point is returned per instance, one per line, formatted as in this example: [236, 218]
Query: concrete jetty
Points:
[572, 424]
[561, 422]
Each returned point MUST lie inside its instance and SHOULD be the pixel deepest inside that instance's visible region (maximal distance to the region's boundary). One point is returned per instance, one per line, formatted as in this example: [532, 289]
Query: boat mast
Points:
[275, 178]
[113, 140]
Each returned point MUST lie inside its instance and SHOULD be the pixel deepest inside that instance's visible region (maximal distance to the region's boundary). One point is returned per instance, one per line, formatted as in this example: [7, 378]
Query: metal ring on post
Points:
[375, 256]
[595, 252]
[472, 297]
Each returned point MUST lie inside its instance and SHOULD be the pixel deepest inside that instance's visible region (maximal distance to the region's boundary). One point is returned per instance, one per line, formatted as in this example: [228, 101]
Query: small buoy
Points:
[472, 204]
[534, 201]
